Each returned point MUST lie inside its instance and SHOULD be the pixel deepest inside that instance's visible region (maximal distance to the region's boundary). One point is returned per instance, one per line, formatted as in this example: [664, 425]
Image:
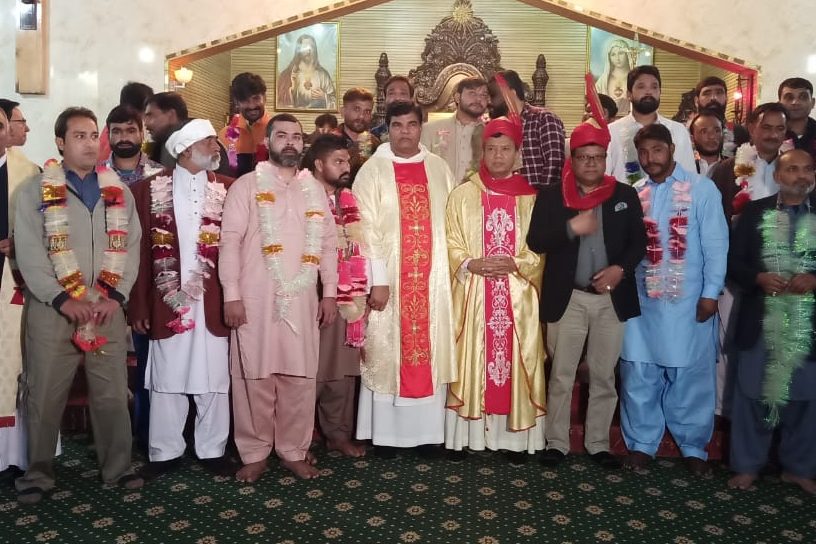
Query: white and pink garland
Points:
[271, 235]
[666, 283]
[167, 276]
[63, 258]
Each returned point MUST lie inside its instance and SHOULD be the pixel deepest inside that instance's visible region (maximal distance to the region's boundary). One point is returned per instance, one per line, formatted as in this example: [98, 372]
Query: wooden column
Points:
[32, 46]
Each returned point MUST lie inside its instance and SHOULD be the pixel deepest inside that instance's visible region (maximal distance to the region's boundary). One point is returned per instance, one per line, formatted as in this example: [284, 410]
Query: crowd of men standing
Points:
[406, 283]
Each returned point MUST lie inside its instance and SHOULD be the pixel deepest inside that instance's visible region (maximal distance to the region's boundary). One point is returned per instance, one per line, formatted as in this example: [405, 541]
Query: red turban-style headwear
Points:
[583, 135]
[516, 184]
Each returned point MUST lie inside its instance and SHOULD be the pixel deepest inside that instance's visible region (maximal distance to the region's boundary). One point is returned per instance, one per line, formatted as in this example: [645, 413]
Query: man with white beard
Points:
[177, 300]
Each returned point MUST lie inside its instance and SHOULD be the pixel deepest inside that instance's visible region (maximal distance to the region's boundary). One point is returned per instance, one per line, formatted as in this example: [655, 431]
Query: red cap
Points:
[504, 126]
[588, 134]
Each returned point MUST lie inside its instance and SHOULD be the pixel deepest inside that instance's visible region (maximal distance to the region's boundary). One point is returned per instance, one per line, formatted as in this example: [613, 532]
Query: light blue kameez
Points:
[668, 372]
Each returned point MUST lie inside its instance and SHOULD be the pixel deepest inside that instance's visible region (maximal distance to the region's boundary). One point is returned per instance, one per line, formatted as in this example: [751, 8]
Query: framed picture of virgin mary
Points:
[307, 68]
[610, 57]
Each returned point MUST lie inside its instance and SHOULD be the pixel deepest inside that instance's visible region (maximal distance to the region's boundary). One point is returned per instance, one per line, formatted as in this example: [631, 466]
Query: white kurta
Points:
[194, 362]
[623, 131]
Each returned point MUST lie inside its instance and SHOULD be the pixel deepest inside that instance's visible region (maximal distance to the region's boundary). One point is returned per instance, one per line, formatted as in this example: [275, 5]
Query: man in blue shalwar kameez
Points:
[668, 361]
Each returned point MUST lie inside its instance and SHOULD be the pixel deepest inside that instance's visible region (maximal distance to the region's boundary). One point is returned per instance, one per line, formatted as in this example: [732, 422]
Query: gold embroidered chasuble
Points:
[465, 228]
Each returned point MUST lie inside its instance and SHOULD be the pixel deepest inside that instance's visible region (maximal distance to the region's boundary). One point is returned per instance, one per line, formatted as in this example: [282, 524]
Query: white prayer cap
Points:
[194, 131]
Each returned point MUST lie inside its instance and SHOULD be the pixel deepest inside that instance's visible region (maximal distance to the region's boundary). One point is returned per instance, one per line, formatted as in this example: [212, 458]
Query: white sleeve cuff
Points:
[462, 274]
[379, 272]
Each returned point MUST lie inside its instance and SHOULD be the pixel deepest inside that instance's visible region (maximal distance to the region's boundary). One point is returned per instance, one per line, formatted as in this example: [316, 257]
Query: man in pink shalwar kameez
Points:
[277, 232]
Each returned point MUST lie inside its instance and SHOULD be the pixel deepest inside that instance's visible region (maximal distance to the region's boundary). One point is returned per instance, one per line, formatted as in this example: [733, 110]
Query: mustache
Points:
[289, 149]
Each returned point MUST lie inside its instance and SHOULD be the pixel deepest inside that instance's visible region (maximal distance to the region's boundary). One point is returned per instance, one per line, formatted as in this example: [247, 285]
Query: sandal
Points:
[31, 495]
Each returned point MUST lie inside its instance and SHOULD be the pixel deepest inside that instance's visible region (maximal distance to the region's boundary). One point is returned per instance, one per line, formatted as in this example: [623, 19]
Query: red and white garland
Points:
[666, 283]
[271, 235]
[352, 267]
[748, 187]
[66, 267]
[167, 276]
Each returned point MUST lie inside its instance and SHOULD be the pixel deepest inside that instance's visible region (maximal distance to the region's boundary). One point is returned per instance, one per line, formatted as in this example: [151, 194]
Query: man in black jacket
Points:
[591, 228]
[772, 260]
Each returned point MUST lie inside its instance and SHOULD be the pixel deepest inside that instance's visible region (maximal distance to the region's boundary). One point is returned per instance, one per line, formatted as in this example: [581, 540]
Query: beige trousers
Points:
[589, 318]
[275, 412]
[49, 364]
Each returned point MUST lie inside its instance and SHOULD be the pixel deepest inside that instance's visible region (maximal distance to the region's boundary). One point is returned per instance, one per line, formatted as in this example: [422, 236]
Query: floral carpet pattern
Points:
[482, 500]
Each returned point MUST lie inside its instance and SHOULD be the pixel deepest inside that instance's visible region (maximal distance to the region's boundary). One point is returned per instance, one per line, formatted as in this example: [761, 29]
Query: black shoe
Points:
[516, 457]
[456, 456]
[219, 466]
[551, 458]
[155, 469]
[385, 452]
[606, 460]
[430, 451]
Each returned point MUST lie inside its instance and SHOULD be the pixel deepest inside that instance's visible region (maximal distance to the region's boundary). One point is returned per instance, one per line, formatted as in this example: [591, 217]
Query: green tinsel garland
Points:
[788, 323]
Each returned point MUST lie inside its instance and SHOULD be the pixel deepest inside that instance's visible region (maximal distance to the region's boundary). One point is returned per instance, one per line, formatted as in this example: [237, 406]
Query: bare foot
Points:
[347, 447]
[311, 458]
[637, 460]
[697, 466]
[251, 472]
[742, 481]
[302, 469]
[807, 485]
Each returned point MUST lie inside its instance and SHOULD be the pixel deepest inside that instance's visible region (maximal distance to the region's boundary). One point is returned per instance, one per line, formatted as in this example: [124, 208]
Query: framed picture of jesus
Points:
[308, 61]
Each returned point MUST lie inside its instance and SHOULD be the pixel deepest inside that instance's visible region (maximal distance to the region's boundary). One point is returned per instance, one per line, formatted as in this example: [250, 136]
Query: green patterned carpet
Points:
[482, 500]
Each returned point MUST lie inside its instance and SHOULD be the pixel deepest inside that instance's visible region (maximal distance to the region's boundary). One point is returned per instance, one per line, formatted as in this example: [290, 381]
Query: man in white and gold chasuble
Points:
[401, 192]
[500, 393]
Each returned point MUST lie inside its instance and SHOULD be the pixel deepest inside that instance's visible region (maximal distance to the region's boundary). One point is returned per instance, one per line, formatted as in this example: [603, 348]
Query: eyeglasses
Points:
[23, 121]
[589, 158]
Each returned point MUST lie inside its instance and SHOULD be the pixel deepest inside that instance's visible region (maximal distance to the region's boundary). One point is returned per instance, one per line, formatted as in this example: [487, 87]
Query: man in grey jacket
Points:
[77, 239]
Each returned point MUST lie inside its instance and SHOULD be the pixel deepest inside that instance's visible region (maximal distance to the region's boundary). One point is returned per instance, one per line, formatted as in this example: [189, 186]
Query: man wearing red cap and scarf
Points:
[591, 228]
[499, 397]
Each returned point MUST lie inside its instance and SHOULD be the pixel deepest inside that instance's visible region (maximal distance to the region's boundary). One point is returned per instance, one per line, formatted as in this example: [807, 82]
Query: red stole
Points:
[416, 245]
[499, 238]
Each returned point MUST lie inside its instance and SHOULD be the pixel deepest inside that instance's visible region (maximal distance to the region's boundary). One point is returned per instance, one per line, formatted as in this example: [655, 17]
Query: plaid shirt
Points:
[542, 150]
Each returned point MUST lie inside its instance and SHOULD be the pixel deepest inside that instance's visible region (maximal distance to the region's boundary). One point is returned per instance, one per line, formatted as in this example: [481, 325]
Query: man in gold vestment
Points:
[500, 395]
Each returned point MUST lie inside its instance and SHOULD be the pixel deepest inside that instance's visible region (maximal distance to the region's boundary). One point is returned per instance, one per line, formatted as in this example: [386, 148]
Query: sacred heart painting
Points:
[610, 58]
[307, 70]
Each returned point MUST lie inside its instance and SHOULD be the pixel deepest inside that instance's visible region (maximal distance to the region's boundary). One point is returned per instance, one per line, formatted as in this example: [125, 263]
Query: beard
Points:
[358, 126]
[646, 105]
[252, 114]
[798, 190]
[714, 107]
[286, 157]
[709, 151]
[125, 150]
[473, 110]
[205, 162]
[343, 181]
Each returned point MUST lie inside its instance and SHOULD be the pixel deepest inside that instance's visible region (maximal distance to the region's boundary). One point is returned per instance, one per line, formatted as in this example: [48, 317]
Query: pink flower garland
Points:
[232, 134]
[666, 284]
[352, 268]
